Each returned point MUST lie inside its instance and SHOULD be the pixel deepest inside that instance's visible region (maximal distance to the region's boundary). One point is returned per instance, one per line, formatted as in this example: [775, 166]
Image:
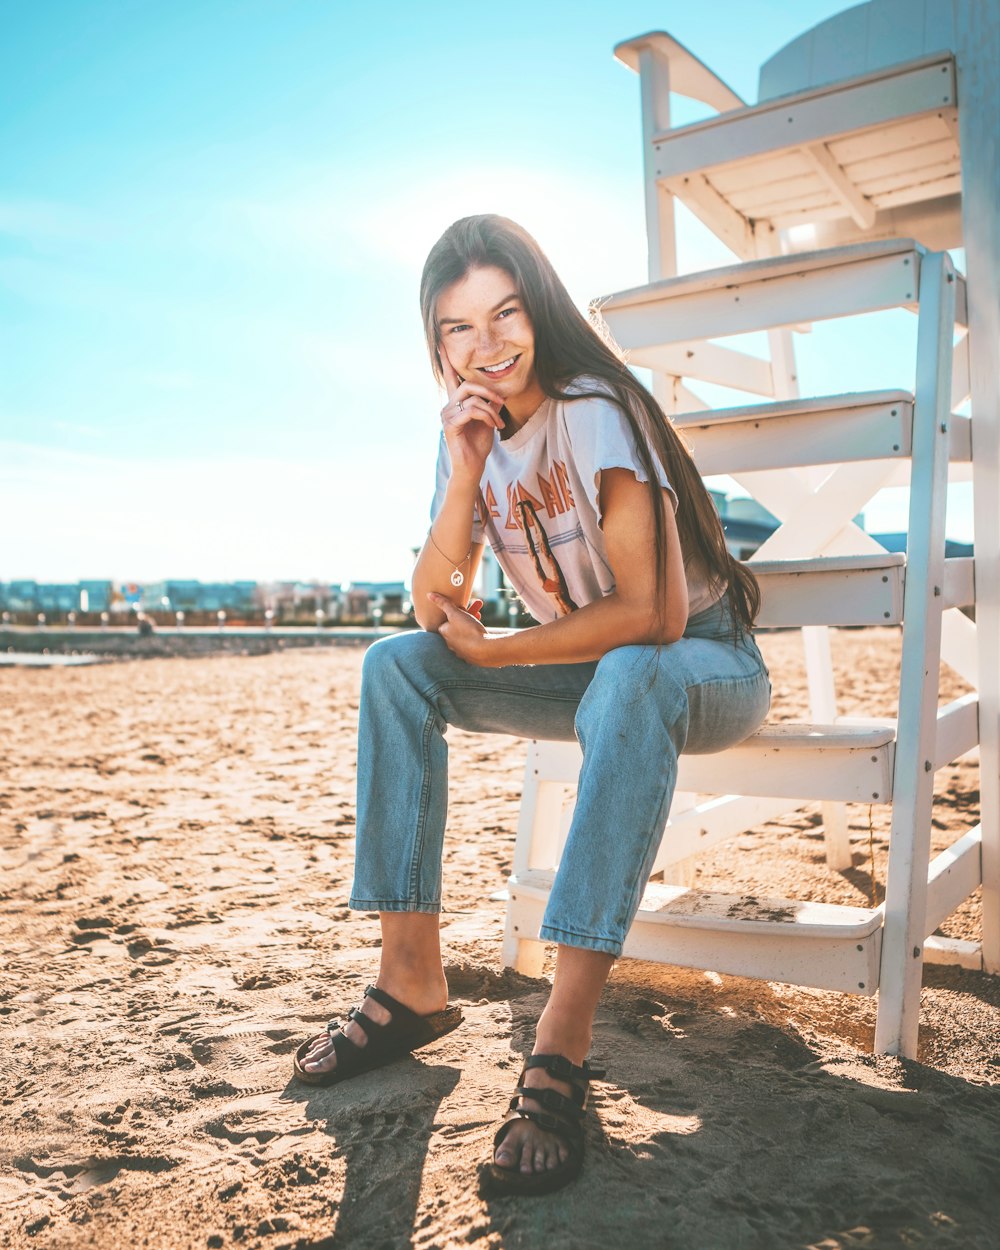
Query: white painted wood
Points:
[709, 362]
[797, 433]
[765, 295]
[719, 214]
[807, 117]
[913, 780]
[956, 951]
[831, 590]
[977, 31]
[953, 876]
[708, 823]
[960, 646]
[853, 199]
[959, 582]
[742, 935]
[689, 76]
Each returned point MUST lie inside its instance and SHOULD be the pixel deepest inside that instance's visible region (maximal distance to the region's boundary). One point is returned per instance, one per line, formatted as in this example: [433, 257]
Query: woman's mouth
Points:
[502, 369]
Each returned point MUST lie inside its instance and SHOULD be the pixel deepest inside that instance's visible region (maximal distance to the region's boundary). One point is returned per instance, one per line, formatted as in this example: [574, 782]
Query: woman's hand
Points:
[469, 418]
[463, 632]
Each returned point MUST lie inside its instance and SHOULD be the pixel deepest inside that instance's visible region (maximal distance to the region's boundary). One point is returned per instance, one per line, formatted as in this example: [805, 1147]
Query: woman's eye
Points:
[507, 312]
[455, 329]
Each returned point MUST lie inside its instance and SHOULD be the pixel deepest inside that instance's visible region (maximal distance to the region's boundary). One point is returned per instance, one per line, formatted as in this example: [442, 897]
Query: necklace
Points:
[457, 577]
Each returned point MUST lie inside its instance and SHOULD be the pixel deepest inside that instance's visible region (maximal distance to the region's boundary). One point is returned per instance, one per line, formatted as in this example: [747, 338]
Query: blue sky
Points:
[213, 216]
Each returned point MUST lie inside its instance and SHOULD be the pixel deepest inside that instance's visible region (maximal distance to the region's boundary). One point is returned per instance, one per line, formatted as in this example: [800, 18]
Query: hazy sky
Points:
[213, 215]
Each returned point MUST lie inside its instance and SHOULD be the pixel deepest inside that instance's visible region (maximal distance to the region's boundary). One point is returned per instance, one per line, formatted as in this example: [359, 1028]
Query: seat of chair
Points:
[846, 152]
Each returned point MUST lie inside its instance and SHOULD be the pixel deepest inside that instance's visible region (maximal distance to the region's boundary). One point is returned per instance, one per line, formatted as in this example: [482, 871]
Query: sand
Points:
[177, 840]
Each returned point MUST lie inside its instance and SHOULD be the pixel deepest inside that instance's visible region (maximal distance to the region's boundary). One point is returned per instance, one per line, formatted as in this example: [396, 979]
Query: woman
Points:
[552, 452]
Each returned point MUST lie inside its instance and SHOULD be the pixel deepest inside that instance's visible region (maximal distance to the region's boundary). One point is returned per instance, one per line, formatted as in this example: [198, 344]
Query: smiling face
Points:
[488, 337]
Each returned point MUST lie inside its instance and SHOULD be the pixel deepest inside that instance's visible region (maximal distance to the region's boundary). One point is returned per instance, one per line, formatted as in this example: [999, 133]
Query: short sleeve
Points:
[443, 473]
[600, 437]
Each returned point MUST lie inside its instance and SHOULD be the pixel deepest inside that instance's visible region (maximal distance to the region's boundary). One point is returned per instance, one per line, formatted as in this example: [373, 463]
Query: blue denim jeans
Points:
[633, 711]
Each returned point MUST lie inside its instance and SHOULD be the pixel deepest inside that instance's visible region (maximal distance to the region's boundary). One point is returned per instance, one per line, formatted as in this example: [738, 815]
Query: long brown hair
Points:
[567, 347]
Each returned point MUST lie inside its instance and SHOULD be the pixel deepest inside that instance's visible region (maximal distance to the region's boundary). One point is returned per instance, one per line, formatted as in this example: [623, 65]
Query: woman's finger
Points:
[472, 408]
[451, 379]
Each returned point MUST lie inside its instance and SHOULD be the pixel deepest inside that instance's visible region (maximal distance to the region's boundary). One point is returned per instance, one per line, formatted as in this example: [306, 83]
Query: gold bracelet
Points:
[457, 577]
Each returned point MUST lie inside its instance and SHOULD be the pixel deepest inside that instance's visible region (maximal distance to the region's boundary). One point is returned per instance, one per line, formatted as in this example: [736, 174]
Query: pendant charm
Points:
[457, 578]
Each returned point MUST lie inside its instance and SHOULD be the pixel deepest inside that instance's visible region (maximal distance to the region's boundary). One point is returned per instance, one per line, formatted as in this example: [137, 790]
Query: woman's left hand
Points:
[464, 634]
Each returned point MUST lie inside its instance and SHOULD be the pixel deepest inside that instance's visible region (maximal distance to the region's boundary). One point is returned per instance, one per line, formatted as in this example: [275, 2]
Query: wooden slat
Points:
[918, 191]
[874, 142]
[709, 362]
[712, 821]
[952, 877]
[904, 161]
[834, 590]
[818, 944]
[760, 171]
[806, 118]
[795, 433]
[766, 294]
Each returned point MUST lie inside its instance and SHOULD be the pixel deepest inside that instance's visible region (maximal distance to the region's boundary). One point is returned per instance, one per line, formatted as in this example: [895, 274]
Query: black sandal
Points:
[406, 1031]
[560, 1114]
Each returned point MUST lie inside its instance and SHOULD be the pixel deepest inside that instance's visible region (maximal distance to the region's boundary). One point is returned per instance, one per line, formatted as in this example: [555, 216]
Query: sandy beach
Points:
[177, 838]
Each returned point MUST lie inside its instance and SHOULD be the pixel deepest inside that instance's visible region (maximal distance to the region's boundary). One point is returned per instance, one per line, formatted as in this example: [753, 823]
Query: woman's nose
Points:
[488, 339]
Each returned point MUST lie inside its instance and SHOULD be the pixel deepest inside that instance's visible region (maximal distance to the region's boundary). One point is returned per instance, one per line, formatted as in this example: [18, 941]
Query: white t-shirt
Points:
[540, 507]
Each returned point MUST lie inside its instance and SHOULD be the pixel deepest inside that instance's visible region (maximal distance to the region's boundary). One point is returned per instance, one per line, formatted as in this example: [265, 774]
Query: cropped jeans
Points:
[634, 711]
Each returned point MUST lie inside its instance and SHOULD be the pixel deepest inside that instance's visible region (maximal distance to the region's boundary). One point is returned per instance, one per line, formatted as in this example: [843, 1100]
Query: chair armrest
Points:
[688, 76]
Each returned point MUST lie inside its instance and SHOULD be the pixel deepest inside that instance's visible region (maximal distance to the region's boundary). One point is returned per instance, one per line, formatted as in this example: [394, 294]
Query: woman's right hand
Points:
[469, 419]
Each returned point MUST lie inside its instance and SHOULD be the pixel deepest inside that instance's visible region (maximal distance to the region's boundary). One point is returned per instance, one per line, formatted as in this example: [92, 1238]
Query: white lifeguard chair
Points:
[874, 147]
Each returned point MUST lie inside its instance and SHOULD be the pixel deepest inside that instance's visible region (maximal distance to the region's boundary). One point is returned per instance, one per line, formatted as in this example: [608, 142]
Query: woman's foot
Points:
[526, 1147]
[422, 1000]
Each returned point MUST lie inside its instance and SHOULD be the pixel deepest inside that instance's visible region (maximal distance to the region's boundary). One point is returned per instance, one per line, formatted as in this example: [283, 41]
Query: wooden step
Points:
[825, 945]
[787, 759]
[770, 293]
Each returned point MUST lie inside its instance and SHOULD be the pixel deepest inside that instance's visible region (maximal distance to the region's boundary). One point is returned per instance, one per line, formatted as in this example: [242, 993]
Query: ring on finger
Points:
[460, 403]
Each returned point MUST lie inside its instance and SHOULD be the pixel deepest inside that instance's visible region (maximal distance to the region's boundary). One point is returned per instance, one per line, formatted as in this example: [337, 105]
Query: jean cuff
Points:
[391, 904]
[565, 938]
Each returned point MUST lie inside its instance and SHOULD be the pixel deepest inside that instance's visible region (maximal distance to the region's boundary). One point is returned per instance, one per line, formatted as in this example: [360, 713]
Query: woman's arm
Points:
[628, 615]
[469, 420]
[452, 531]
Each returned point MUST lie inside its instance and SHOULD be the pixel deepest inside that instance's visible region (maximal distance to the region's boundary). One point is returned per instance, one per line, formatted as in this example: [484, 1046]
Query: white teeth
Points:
[497, 368]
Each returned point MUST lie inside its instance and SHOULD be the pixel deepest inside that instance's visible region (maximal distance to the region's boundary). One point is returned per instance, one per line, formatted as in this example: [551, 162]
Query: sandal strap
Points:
[365, 1022]
[559, 1066]
[344, 1048]
[550, 1100]
[401, 1014]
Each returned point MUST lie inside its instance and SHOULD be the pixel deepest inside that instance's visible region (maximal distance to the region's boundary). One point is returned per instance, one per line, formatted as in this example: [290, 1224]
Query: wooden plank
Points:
[959, 582]
[681, 309]
[956, 951]
[906, 161]
[779, 939]
[787, 759]
[712, 821]
[804, 191]
[717, 213]
[862, 596]
[977, 28]
[875, 142]
[917, 191]
[853, 199]
[941, 175]
[913, 778]
[773, 441]
[805, 118]
[709, 362]
[953, 876]
[761, 170]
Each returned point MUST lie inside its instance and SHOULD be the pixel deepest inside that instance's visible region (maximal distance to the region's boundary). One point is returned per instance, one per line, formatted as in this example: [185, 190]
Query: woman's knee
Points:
[633, 682]
[408, 654]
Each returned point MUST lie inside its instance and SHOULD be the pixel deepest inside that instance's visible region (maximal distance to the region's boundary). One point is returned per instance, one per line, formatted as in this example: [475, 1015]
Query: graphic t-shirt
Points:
[539, 506]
